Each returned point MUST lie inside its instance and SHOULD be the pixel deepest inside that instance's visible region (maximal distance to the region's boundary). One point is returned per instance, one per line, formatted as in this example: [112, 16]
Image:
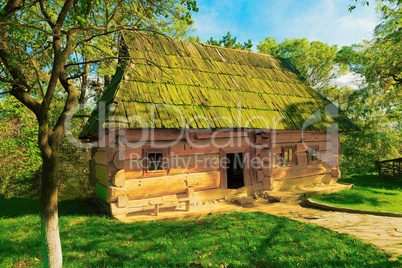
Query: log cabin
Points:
[184, 123]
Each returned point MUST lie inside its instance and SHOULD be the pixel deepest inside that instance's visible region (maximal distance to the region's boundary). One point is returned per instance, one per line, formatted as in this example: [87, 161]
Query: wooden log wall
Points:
[193, 169]
[302, 173]
[194, 172]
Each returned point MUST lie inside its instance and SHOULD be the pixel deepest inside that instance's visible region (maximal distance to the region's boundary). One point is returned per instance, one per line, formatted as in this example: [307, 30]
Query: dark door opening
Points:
[234, 170]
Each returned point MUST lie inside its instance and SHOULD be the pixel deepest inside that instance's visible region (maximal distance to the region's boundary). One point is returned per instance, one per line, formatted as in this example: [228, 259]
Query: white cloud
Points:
[328, 21]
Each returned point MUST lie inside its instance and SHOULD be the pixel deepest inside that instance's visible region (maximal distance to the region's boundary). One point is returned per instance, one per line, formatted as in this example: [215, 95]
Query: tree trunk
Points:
[49, 212]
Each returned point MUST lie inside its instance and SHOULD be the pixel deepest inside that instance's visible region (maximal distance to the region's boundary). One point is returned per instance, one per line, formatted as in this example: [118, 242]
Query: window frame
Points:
[155, 173]
[313, 147]
[293, 163]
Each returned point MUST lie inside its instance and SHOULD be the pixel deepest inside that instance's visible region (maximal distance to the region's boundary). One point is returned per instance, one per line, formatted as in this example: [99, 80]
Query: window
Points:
[288, 155]
[154, 162]
[312, 154]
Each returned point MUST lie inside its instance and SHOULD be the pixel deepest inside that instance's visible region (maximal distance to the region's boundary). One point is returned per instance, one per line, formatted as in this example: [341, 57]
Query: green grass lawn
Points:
[231, 240]
[370, 192]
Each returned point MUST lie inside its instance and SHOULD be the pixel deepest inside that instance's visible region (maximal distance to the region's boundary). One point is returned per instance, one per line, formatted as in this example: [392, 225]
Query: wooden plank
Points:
[176, 164]
[190, 191]
[259, 150]
[156, 210]
[119, 178]
[100, 173]
[122, 201]
[198, 147]
[335, 146]
[300, 182]
[110, 170]
[211, 194]
[100, 157]
[260, 175]
[265, 155]
[258, 163]
[329, 158]
[263, 142]
[300, 171]
[297, 137]
[133, 153]
[276, 161]
[152, 201]
[120, 161]
[302, 147]
[133, 174]
[251, 154]
[267, 171]
[101, 191]
[154, 134]
[222, 169]
[335, 173]
[301, 158]
[166, 185]
[267, 181]
[220, 134]
[193, 164]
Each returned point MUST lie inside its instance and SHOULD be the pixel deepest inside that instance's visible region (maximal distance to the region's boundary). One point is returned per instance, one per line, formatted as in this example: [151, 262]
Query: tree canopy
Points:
[230, 42]
[314, 60]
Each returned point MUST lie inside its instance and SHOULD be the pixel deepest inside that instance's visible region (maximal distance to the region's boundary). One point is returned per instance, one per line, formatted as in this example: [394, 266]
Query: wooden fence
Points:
[390, 167]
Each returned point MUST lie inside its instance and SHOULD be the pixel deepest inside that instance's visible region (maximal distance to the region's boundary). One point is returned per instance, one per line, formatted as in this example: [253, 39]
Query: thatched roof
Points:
[178, 84]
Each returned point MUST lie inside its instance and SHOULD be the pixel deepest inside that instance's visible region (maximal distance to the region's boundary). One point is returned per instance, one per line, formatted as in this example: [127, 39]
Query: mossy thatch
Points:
[168, 83]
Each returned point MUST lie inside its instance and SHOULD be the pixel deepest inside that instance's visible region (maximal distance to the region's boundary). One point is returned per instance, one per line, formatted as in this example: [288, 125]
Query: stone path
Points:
[384, 232]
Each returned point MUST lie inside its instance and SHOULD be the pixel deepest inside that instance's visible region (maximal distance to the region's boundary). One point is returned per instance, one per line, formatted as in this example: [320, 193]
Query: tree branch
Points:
[44, 13]
[93, 61]
[77, 76]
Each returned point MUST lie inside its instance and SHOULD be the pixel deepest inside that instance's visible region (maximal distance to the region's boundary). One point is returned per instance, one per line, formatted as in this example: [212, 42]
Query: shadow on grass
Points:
[17, 207]
[374, 181]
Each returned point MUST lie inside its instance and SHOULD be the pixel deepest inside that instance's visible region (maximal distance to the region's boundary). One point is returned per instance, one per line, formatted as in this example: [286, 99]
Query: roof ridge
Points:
[209, 45]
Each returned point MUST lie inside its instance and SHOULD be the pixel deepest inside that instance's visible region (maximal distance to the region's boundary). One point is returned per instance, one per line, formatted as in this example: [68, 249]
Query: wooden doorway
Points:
[235, 170]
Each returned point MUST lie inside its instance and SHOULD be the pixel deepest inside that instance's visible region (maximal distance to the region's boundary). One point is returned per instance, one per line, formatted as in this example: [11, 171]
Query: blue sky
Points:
[328, 21]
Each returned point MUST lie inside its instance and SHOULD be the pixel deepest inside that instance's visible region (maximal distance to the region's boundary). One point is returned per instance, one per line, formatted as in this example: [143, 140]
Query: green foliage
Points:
[376, 106]
[230, 240]
[314, 60]
[230, 42]
[214, 42]
[367, 3]
[360, 150]
[20, 163]
[20, 166]
[369, 192]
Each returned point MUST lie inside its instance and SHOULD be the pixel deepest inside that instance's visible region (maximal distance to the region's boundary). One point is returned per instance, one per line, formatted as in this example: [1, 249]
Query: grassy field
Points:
[370, 192]
[231, 240]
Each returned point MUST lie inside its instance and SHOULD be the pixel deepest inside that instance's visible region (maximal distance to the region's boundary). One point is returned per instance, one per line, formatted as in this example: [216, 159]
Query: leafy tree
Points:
[195, 39]
[314, 60]
[367, 3]
[230, 42]
[20, 159]
[247, 45]
[42, 44]
[214, 42]
[377, 104]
